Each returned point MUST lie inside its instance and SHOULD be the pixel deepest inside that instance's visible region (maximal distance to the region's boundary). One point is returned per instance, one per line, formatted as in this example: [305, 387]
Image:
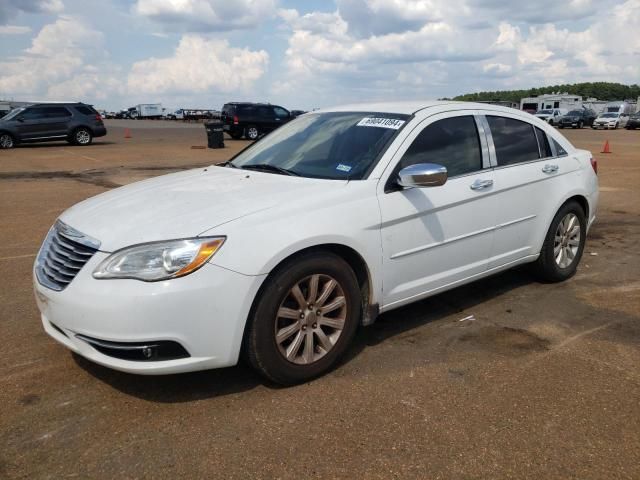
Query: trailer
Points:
[563, 101]
[626, 107]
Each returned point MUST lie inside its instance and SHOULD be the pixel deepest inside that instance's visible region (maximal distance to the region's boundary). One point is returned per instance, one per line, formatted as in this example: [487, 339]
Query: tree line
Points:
[600, 90]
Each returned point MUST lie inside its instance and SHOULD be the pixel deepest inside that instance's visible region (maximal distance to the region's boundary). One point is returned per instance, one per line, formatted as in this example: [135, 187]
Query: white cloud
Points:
[206, 15]
[63, 56]
[10, 8]
[14, 29]
[199, 65]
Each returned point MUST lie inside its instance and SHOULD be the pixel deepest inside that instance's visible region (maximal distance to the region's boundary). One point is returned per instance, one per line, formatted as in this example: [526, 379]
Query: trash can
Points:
[215, 134]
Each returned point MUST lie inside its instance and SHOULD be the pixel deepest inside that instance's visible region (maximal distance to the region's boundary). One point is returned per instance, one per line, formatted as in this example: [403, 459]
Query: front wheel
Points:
[563, 245]
[82, 136]
[580, 125]
[6, 141]
[304, 319]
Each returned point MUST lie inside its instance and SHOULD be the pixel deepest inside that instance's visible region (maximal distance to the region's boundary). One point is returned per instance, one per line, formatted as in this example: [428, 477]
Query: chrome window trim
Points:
[484, 145]
[493, 157]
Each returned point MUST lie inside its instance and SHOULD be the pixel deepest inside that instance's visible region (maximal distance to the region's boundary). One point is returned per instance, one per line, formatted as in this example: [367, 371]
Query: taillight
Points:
[235, 120]
[594, 165]
[98, 118]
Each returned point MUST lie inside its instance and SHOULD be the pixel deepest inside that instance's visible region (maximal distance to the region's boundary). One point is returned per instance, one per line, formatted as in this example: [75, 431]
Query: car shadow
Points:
[187, 387]
[61, 144]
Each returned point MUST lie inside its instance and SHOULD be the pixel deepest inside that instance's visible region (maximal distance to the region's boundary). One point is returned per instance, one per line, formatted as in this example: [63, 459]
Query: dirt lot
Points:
[543, 384]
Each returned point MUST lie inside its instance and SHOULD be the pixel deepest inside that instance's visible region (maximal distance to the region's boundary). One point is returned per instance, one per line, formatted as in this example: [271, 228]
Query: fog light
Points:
[147, 352]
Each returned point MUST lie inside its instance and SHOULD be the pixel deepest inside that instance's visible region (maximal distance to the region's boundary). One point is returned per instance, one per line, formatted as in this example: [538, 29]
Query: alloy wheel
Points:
[310, 319]
[83, 137]
[567, 240]
[6, 141]
[252, 133]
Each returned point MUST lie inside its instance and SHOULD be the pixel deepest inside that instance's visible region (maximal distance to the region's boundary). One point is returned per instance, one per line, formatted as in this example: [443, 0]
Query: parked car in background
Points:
[77, 123]
[297, 113]
[281, 253]
[634, 121]
[251, 120]
[610, 120]
[577, 118]
[551, 116]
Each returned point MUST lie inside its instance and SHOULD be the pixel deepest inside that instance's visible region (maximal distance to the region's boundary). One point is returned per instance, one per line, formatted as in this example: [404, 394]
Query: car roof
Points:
[57, 104]
[412, 107]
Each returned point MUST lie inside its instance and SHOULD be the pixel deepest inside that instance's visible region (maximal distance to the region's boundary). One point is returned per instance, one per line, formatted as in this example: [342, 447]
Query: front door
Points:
[32, 123]
[438, 236]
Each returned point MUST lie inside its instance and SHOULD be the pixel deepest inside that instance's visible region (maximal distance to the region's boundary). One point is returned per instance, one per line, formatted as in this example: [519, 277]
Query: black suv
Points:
[77, 123]
[252, 119]
[577, 119]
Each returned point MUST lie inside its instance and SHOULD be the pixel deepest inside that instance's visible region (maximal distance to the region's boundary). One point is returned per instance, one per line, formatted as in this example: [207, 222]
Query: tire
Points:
[6, 141]
[580, 125]
[561, 126]
[559, 257]
[615, 126]
[235, 136]
[81, 136]
[287, 361]
[252, 132]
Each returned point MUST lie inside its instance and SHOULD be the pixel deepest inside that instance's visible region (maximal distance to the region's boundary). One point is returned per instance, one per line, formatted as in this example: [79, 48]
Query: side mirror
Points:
[422, 175]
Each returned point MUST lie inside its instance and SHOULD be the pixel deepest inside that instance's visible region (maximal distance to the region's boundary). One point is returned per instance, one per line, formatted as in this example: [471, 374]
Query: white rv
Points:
[624, 107]
[558, 101]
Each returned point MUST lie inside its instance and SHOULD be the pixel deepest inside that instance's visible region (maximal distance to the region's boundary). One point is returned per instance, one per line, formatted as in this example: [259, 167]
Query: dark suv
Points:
[77, 123]
[252, 119]
[577, 119]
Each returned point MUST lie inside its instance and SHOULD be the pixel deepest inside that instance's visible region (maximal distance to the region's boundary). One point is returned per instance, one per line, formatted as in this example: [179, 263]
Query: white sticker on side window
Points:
[391, 123]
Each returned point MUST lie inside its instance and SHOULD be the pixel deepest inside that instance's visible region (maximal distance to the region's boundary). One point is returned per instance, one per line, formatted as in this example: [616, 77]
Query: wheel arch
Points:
[353, 258]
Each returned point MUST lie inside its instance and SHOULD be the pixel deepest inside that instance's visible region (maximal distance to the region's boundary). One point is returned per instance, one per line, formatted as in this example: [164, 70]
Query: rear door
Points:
[532, 175]
[438, 236]
[58, 119]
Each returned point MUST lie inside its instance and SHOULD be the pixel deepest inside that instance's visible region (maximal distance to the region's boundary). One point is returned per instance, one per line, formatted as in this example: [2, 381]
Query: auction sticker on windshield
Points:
[391, 123]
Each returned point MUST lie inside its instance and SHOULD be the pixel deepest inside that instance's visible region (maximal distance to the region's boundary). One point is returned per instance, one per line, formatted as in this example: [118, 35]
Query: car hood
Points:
[606, 119]
[186, 204]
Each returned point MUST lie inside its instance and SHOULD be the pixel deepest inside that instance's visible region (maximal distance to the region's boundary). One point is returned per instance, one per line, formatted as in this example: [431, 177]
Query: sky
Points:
[307, 54]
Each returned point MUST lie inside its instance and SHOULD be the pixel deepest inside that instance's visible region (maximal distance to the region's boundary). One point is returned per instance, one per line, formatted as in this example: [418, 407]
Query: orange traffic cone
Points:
[127, 133]
[606, 148]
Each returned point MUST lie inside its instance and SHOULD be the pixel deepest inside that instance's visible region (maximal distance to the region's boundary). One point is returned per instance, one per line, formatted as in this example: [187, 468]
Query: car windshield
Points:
[13, 113]
[610, 115]
[545, 112]
[574, 113]
[336, 145]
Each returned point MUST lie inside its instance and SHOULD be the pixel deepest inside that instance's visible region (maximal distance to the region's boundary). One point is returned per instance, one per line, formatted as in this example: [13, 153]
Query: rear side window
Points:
[452, 142]
[543, 144]
[515, 141]
[559, 150]
[246, 110]
[56, 112]
[84, 110]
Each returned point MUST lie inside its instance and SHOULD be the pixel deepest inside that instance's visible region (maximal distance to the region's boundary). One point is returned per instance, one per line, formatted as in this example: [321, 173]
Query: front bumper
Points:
[205, 313]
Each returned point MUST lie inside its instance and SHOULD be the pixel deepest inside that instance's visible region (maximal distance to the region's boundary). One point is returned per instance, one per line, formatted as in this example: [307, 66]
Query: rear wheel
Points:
[6, 141]
[82, 136]
[304, 319]
[563, 245]
[252, 133]
[235, 136]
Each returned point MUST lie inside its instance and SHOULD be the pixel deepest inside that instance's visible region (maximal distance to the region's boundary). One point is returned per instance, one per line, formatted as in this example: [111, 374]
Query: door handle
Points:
[481, 184]
[550, 168]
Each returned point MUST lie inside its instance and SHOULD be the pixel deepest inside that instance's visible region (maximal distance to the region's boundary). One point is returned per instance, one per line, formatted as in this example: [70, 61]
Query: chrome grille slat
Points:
[64, 252]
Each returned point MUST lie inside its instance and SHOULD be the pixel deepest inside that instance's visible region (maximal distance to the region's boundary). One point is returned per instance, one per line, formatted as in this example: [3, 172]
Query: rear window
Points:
[85, 110]
[515, 141]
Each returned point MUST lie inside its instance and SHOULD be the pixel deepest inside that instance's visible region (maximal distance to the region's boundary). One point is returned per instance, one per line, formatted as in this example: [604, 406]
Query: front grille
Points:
[64, 252]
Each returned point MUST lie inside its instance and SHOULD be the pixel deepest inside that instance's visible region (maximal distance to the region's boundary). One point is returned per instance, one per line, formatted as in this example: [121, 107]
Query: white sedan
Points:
[281, 253]
[611, 120]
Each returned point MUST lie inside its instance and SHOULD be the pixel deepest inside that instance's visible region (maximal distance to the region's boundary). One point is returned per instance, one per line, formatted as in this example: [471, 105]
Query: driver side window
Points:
[451, 142]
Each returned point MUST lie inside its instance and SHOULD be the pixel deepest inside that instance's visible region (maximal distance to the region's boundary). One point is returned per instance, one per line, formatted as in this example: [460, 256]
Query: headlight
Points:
[155, 261]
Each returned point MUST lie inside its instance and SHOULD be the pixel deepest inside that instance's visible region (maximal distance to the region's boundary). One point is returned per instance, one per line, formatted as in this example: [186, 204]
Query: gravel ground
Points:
[544, 383]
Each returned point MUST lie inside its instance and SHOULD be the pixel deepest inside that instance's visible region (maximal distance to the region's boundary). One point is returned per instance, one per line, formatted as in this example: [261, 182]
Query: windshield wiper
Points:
[266, 167]
[228, 163]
